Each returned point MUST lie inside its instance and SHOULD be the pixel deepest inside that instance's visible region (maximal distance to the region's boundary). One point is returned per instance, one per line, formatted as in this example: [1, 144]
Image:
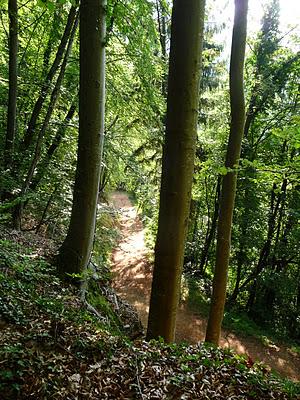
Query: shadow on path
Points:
[132, 275]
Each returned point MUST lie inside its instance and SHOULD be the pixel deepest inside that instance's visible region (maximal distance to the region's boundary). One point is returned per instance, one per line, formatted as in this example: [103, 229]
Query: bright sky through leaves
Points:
[222, 11]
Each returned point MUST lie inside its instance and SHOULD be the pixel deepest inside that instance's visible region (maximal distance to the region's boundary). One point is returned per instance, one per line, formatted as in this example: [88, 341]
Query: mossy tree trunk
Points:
[76, 250]
[237, 103]
[178, 165]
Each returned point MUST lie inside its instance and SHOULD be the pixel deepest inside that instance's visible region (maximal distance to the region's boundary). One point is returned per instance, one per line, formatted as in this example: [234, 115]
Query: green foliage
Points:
[29, 286]
[240, 322]
[197, 295]
[106, 236]
[196, 292]
[49, 342]
[135, 118]
[98, 301]
[265, 229]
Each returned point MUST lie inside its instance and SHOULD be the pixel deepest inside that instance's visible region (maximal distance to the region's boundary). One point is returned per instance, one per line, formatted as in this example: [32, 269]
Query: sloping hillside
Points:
[54, 346]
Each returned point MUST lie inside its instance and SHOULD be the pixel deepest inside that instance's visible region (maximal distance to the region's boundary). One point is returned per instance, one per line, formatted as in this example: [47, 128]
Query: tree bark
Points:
[13, 83]
[75, 252]
[177, 165]
[237, 103]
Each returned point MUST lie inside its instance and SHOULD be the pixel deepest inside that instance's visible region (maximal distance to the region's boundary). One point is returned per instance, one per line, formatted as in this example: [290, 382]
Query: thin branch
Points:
[24, 4]
[3, 25]
[138, 377]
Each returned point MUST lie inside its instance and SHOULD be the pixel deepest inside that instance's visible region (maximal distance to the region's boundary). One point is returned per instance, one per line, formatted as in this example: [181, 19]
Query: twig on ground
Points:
[138, 378]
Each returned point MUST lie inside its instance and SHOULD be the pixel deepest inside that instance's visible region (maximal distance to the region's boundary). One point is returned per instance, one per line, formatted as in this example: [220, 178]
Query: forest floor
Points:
[132, 274]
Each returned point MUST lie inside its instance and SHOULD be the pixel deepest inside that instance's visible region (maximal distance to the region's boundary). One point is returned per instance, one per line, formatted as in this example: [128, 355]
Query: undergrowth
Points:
[52, 347]
[234, 320]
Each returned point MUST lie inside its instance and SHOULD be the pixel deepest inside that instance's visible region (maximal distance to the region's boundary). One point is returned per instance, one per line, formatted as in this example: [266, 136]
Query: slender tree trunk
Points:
[210, 234]
[53, 147]
[294, 322]
[12, 86]
[76, 250]
[275, 208]
[18, 211]
[51, 41]
[29, 135]
[266, 249]
[43, 217]
[237, 103]
[177, 166]
[162, 27]
[248, 201]
[190, 257]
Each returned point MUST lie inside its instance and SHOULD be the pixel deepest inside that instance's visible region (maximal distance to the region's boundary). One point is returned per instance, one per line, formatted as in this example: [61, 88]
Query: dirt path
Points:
[132, 281]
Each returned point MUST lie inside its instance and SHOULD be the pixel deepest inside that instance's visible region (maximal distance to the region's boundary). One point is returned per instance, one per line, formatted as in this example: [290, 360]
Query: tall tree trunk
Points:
[18, 210]
[263, 50]
[162, 28]
[211, 231]
[75, 252]
[29, 135]
[12, 86]
[51, 40]
[237, 103]
[43, 217]
[248, 201]
[294, 322]
[266, 249]
[177, 166]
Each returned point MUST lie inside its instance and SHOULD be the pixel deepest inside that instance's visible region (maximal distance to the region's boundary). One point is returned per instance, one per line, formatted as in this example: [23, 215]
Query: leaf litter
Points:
[52, 347]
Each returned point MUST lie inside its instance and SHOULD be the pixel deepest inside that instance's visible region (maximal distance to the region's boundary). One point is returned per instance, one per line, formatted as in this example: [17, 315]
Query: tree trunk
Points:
[43, 217]
[29, 135]
[276, 211]
[53, 147]
[294, 322]
[237, 103]
[18, 211]
[76, 250]
[162, 28]
[248, 203]
[265, 251]
[177, 166]
[211, 231]
[51, 40]
[12, 86]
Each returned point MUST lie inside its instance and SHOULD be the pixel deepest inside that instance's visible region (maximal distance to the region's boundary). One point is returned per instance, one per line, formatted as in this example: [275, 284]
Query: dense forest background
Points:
[39, 92]
[37, 173]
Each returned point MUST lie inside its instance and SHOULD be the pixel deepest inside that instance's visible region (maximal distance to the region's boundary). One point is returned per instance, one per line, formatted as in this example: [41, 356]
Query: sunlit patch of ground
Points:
[132, 281]
[131, 269]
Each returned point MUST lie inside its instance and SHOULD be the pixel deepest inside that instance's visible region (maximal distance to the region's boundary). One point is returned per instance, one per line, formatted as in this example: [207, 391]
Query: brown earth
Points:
[132, 280]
